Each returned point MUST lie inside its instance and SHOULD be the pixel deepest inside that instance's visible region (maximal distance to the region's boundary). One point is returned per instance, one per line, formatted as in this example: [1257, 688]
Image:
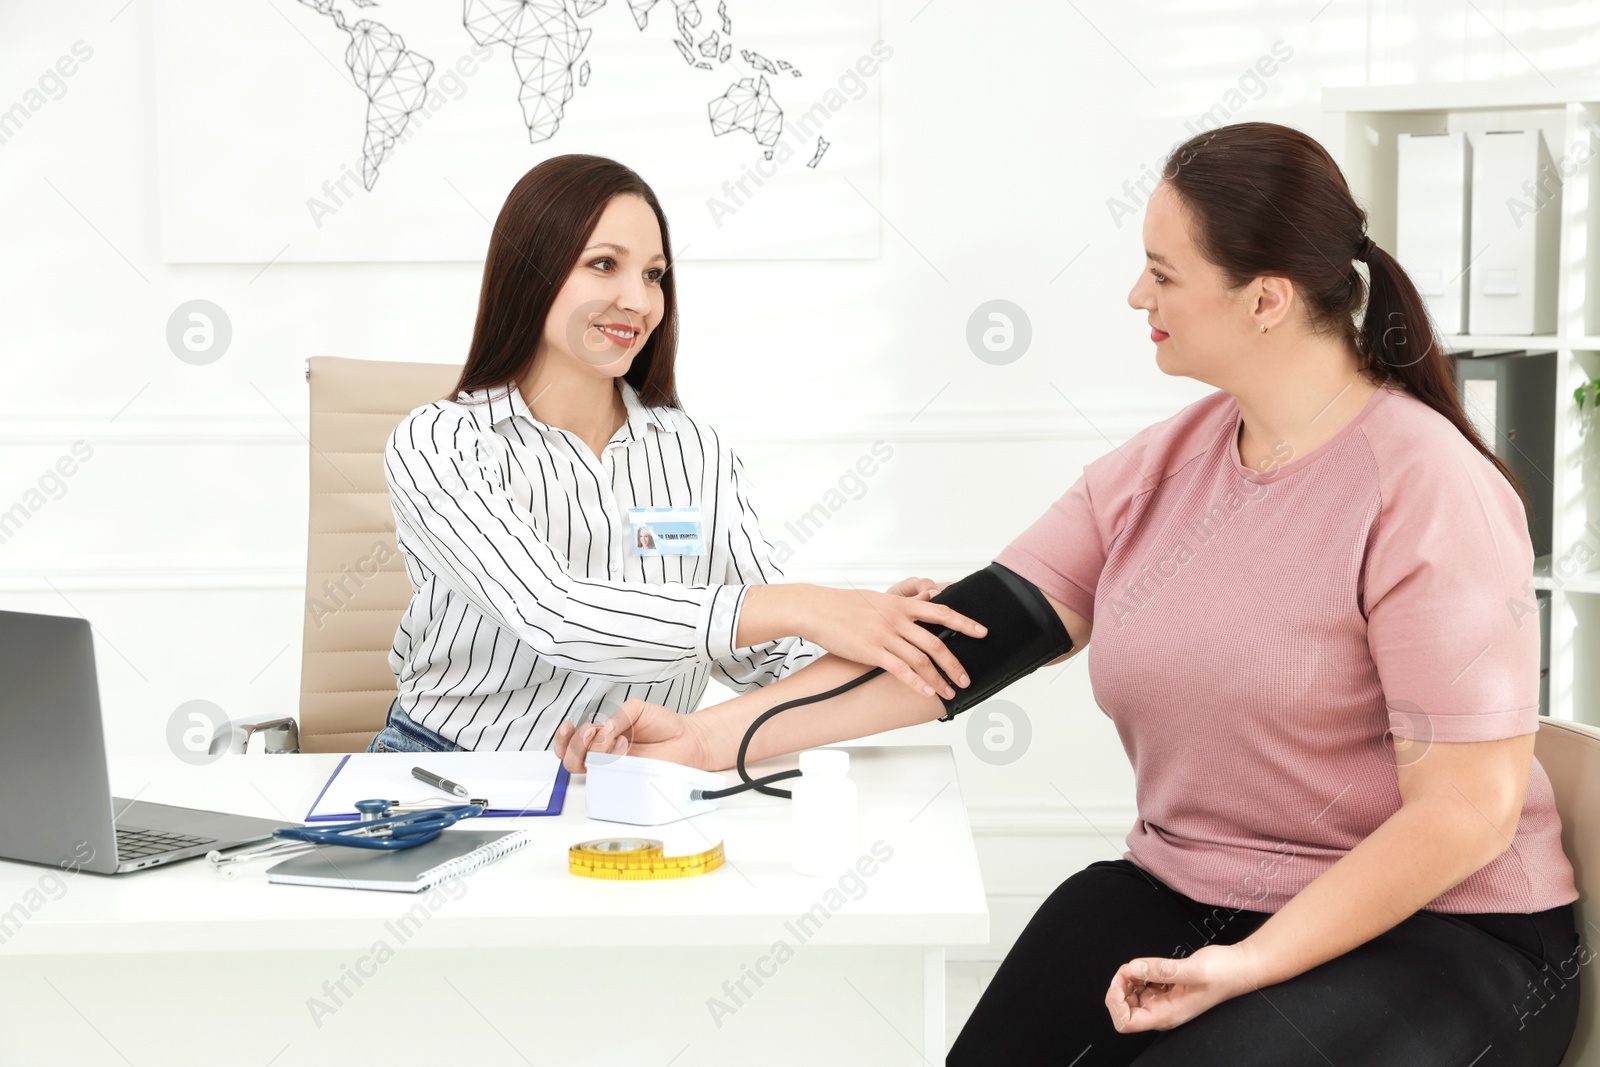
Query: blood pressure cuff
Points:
[1024, 634]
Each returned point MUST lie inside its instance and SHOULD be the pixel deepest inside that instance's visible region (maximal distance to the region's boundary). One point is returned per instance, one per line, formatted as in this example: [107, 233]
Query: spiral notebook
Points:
[403, 870]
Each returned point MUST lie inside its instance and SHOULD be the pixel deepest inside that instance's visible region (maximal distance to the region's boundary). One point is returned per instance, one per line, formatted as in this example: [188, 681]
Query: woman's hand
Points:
[638, 729]
[1151, 993]
[880, 630]
[876, 629]
[916, 588]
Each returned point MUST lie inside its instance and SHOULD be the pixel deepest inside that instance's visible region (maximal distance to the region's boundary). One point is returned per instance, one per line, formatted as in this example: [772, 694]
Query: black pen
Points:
[437, 782]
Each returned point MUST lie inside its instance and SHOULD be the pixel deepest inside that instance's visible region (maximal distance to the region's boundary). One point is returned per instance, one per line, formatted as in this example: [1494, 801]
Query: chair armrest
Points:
[256, 736]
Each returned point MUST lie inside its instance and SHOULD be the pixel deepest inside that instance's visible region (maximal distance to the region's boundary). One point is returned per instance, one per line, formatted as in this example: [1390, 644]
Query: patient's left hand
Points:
[637, 728]
[1151, 993]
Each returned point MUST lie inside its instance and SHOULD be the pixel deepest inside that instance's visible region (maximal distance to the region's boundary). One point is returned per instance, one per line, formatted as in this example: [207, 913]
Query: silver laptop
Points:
[56, 805]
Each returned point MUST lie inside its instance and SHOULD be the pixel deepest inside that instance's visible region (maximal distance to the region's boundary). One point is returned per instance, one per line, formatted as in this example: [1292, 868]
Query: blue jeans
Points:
[400, 734]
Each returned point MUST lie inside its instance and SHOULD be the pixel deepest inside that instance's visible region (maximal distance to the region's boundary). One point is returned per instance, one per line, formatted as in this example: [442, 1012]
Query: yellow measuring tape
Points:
[637, 859]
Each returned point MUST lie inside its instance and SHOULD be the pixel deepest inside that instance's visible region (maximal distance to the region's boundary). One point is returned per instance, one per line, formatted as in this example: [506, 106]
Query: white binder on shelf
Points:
[1516, 234]
[1432, 208]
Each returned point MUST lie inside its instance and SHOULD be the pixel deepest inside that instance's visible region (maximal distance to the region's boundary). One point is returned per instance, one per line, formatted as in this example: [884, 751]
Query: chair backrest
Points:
[356, 584]
[1570, 755]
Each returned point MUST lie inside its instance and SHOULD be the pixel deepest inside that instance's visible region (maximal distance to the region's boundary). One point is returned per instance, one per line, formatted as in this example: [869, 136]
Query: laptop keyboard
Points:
[134, 843]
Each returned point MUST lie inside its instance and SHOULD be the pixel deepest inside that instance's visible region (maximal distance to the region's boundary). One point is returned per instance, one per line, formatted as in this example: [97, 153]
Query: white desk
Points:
[522, 963]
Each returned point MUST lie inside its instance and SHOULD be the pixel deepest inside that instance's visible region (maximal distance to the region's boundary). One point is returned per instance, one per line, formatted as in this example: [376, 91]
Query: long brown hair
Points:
[542, 229]
[1267, 199]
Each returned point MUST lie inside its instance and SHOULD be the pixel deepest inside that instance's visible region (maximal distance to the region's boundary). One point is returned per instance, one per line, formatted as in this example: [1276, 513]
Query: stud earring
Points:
[1263, 327]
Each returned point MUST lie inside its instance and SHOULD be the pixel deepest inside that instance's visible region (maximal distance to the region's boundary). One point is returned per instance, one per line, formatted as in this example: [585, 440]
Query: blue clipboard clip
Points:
[558, 794]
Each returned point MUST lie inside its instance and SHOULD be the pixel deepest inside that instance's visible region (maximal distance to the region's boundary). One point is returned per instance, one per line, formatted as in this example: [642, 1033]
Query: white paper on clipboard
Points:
[514, 783]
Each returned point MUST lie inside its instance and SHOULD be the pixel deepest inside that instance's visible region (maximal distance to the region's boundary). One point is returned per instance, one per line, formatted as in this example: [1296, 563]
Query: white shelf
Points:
[1532, 342]
[1461, 96]
[1587, 582]
[1584, 583]
[1362, 132]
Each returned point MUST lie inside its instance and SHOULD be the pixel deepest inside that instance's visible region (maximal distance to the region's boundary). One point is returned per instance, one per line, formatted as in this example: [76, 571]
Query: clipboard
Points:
[515, 783]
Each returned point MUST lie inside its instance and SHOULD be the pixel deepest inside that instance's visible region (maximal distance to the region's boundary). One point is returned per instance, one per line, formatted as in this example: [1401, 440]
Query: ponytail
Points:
[1399, 342]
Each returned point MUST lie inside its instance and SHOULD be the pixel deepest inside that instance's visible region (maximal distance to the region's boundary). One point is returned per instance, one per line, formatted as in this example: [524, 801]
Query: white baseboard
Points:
[1057, 819]
[266, 426]
[151, 573]
[162, 572]
[1027, 851]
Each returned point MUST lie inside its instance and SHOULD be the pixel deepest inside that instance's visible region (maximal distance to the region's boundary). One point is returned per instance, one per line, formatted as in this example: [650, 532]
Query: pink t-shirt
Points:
[1257, 635]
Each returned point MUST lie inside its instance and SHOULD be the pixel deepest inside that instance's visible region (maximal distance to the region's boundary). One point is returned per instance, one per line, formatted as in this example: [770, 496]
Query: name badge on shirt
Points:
[667, 531]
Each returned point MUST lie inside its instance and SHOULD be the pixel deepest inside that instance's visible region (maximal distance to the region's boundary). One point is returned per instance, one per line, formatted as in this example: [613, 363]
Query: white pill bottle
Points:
[824, 805]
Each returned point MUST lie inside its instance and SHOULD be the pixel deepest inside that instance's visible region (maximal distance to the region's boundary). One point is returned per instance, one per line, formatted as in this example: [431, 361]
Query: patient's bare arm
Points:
[710, 738]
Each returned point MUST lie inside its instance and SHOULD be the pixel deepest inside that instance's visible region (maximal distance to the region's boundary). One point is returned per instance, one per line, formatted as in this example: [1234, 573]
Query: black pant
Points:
[1489, 990]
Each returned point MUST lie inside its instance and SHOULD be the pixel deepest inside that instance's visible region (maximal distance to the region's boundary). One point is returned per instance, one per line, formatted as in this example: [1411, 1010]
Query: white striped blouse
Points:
[530, 602]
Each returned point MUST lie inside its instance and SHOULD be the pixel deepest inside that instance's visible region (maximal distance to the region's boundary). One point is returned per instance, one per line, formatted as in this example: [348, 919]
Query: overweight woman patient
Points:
[1314, 630]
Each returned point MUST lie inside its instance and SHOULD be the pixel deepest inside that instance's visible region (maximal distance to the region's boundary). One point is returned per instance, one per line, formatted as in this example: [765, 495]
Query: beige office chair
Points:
[1570, 755]
[356, 585]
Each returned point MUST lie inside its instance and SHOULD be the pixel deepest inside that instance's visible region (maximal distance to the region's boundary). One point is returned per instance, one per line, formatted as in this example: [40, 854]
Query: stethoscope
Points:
[382, 824]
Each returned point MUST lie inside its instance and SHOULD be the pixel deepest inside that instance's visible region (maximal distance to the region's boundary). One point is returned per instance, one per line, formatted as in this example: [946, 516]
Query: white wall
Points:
[1007, 126]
